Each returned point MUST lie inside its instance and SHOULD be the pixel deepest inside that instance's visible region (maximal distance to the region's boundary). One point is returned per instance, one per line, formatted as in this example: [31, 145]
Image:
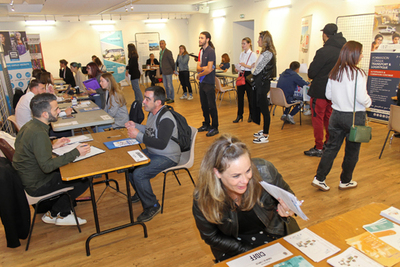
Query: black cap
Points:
[330, 29]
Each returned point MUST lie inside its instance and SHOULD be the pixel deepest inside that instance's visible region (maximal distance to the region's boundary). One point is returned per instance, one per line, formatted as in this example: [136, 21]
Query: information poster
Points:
[112, 50]
[147, 43]
[18, 58]
[35, 49]
[305, 39]
[384, 67]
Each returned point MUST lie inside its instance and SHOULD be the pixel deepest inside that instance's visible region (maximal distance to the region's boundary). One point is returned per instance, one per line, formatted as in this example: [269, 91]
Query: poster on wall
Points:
[35, 49]
[18, 58]
[112, 50]
[305, 39]
[147, 43]
[384, 67]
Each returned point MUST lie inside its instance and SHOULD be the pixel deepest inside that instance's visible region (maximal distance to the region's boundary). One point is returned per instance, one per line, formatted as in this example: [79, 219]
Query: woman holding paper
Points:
[99, 95]
[116, 103]
[232, 211]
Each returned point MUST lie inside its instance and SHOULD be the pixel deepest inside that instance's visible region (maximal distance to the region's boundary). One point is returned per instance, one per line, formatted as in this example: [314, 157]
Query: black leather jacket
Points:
[222, 237]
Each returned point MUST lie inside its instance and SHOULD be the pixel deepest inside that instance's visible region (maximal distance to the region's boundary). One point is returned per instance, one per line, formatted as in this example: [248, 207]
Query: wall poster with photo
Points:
[305, 39]
[35, 49]
[147, 43]
[113, 53]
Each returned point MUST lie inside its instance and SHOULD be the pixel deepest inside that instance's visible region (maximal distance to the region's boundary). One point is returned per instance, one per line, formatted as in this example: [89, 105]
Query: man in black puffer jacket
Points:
[322, 64]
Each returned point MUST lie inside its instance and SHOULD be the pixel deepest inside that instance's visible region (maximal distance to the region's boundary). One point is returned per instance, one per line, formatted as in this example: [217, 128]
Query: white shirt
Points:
[244, 56]
[342, 93]
[23, 112]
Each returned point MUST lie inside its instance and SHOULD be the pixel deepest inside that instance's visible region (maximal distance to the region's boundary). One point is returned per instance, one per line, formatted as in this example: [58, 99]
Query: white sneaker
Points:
[47, 218]
[283, 117]
[351, 184]
[69, 220]
[261, 140]
[190, 97]
[307, 112]
[184, 96]
[290, 119]
[258, 134]
[320, 185]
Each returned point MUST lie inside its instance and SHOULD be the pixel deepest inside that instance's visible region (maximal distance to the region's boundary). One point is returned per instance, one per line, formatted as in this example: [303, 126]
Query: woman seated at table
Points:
[79, 77]
[224, 63]
[98, 95]
[232, 211]
[47, 79]
[116, 103]
[151, 63]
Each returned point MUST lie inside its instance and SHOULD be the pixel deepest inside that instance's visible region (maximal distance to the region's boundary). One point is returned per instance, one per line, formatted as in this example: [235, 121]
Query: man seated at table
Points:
[288, 82]
[37, 168]
[162, 151]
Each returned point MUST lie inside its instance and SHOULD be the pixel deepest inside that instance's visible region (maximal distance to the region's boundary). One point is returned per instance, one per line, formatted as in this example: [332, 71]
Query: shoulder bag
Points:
[359, 134]
[241, 79]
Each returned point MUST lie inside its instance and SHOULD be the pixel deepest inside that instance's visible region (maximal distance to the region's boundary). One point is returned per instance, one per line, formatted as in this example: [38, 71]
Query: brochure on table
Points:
[297, 261]
[386, 231]
[121, 143]
[351, 257]
[391, 213]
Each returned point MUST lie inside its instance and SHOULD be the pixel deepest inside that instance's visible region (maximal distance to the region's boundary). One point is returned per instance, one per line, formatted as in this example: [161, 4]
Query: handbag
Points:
[241, 80]
[358, 133]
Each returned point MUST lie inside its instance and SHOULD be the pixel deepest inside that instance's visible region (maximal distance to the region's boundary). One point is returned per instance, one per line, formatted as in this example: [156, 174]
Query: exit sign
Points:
[242, 16]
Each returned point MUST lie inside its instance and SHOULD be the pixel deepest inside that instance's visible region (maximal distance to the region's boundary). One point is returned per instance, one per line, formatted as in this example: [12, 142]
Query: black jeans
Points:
[246, 88]
[339, 129]
[62, 205]
[184, 79]
[208, 105]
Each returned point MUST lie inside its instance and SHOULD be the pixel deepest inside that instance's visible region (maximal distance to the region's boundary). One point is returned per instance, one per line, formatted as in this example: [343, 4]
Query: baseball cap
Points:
[330, 29]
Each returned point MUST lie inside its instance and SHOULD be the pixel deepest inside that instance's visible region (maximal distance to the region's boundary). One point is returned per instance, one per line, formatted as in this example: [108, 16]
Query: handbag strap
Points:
[248, 59]
[355, 92]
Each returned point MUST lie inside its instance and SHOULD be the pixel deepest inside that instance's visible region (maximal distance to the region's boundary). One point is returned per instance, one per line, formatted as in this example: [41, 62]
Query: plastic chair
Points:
[394, 124]
[8, 151]
[13, 120]
[278, 99]
[186, 161]
[221, 90]
[158, 78]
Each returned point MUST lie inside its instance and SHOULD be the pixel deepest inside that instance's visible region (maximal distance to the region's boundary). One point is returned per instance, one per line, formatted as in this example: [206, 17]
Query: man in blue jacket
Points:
[288, 82]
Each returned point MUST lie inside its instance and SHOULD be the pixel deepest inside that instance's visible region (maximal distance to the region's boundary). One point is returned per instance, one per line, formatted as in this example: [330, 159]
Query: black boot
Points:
[238, 119]
[249, 119]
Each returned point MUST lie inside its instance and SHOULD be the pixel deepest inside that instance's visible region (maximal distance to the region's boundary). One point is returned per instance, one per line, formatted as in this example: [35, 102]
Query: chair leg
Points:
[191, 178]
[387, 136]
[283, 124]
[32, 224]
[73, 210]
[300, 116]
[273, 113]
[176, 178]
[163, 193]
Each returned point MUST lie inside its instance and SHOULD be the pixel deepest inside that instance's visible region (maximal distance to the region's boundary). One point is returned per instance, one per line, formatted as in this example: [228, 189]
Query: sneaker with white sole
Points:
[47, 218]
[320, 185]
[184, 96]
[69, 220]
[261, 140]
[349, 185]
[258, 134]
[307, 112]
[190, 97]
[283, 117]
[290, 119]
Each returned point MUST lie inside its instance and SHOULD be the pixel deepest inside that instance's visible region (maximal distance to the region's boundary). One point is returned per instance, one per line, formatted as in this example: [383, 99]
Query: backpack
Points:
[136, 113]
[184, 131]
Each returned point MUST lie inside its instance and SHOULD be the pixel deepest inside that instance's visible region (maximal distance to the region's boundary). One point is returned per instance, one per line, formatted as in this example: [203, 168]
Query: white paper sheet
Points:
[106, 117]
[137, 155]
[67, 148]
[80, 138]
[290, 200]
[351, 257]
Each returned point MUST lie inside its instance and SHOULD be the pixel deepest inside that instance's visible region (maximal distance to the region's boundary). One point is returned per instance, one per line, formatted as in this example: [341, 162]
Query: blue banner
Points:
[112, 49]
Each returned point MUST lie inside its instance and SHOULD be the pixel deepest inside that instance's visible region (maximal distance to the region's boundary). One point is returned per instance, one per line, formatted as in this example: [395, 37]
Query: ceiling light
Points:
[12, 8]
[40, 22]
[274, 4]
[126, 8]
[149, 21]
[101, 22]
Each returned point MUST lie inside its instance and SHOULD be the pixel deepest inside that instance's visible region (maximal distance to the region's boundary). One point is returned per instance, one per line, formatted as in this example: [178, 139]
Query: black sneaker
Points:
[135, 198]
[170, 101]
[203, 128]
[313, 152]
[149, 213]
[212, 132]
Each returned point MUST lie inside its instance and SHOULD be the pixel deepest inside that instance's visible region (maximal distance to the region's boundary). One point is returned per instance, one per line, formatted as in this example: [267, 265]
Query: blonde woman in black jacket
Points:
[232, 211]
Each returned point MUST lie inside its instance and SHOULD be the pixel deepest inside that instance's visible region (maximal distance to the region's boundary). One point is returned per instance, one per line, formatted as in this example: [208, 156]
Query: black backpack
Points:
[184, 131]
[136, 113]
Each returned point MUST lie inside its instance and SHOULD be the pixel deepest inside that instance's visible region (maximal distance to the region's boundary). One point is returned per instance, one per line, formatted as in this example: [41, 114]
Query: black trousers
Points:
[339, 129]
[184, 79]
[208, 105]
[62, 205]
[241, 90]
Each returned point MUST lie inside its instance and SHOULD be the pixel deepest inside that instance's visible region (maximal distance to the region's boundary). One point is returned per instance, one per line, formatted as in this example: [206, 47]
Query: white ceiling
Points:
[64, 9]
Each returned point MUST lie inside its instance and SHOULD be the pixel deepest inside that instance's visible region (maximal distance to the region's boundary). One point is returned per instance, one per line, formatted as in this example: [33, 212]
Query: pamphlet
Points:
[375, 248]
[80, 138]
[290, 200]
[121, 143]
[386, 231]
[297, 261]
[67, 148]
[353, 258]
[137, 155]
[392, 213]
[314, 246]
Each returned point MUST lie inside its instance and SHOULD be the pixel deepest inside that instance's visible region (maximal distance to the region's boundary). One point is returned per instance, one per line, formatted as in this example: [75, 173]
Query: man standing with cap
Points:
[322, 64]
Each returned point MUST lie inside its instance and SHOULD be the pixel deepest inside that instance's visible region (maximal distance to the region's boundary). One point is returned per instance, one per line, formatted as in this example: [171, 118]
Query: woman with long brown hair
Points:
[97, 95]
[345, 80]
[232, 211]
[263, 73]
[182, 64]
[133, 70]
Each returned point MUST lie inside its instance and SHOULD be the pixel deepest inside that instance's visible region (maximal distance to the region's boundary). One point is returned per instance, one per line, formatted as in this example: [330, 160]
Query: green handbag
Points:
[358, 133]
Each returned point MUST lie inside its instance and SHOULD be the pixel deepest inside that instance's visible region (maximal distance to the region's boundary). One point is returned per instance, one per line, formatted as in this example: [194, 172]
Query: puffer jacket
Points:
[222, 237]
[322, 64]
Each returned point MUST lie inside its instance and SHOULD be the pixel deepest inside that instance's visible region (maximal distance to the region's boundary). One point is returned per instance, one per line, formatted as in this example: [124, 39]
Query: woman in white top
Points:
[247, 60]
[79, 77]
[340, 90]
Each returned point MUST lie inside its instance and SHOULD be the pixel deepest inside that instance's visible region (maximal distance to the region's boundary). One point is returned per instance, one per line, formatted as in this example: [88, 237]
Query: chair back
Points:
[218, 85]
[158, 74]
[7, 150]
[394, 118]
[13, 120]
[187, 157]
[278, 97]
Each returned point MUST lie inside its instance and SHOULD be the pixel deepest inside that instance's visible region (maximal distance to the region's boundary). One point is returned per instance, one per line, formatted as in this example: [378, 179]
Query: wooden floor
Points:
[173, 237]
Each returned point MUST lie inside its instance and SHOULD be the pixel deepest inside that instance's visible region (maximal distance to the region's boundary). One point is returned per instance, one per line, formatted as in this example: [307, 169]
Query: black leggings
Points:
[185, 82]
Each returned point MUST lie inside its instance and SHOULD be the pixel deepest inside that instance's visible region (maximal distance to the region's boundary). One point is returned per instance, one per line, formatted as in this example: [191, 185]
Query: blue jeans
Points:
[141, 175]
[290, 100]
[169, 88]
[101, 128]
[136, 89]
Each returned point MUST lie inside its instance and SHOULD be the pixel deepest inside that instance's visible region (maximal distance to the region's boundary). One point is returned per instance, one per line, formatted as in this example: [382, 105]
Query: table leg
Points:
[94, 205]
[128, 192]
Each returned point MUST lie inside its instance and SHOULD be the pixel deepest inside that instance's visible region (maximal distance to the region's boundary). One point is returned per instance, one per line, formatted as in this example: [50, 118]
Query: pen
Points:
[114, 136]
